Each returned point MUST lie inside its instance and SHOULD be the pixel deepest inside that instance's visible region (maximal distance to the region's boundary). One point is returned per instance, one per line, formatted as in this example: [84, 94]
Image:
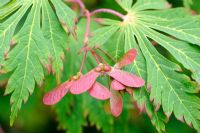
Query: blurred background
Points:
[76, 114]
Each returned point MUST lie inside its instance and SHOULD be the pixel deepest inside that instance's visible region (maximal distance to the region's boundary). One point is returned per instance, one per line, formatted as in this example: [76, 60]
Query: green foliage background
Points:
[76, 114]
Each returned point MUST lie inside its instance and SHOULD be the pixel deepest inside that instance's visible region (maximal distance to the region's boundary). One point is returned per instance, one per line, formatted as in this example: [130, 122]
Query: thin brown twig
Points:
[86, 36]
[101, 59]
[83, 62]
[108, 55]
[95, 56]
[108, 11]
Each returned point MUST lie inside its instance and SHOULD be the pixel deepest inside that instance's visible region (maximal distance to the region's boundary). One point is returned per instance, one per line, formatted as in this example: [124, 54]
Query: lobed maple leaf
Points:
[172, 90]
[26, 50]
[41, 41]
[8, 7]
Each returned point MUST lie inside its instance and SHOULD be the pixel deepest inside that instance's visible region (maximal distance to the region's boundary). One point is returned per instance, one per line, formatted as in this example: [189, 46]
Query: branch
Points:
[107, 54]
[108, 11]
[86, 36]
[83, 62]
[95, 56]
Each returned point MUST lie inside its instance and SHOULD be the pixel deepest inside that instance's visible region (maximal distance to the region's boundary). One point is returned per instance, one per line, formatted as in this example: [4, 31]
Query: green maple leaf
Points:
[141, 95]
[56, 35]
[3, 2]
[25, 59]
[34, 45]
[169, 88]
[103, 120]
[71, 118]
[6, 7]
[7, 29]
[187, 3]
[116, 46]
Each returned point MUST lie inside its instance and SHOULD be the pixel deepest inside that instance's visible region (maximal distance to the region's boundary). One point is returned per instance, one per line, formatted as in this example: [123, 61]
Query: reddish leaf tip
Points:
[157, 107]
[168, 114]
[168, 5]
[129, 90]
[181, 118]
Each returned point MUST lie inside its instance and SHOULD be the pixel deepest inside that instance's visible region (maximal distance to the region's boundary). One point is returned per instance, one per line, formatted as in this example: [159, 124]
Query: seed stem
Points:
[83, 62]
[86, 36]
[101, 59]
[86, 13]
[107, 54]
[95, 56]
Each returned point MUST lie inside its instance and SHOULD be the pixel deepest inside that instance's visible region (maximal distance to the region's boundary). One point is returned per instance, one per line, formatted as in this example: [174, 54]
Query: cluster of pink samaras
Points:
[121, 80]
